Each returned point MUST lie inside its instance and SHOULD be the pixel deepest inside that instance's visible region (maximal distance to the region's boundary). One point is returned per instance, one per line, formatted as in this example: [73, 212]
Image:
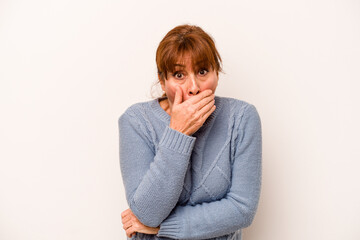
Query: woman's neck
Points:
[164, 104]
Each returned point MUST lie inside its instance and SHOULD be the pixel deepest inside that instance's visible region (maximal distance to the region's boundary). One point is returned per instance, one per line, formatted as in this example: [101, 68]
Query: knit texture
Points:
[204, 186]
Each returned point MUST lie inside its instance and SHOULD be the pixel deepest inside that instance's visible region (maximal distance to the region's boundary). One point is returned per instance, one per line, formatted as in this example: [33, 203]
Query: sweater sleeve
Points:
[237, 209]
[153, 178]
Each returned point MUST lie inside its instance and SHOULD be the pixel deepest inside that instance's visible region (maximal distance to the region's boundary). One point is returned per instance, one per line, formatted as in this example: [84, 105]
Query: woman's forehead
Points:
[189, 61]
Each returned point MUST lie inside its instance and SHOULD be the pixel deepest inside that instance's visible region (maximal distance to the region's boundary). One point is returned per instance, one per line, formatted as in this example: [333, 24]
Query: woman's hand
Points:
[132, 225]
[188, 116]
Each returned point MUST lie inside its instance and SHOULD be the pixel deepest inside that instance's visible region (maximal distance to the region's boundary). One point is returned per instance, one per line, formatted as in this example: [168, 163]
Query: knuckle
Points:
[197, 115]
[207, 92]
[124, 213]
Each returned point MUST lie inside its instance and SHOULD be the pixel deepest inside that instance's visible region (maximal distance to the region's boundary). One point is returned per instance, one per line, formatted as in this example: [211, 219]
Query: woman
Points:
[190, 160]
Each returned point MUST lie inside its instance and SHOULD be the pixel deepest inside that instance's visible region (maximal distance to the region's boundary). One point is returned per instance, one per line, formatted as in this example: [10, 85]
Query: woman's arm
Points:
[237, 209]
[153, 179]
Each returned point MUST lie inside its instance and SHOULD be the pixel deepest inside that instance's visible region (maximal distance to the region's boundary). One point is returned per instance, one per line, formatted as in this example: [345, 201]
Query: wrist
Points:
[176, 128]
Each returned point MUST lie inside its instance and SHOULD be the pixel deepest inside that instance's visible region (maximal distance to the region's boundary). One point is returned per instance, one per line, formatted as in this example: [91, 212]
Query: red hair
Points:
[183, 40]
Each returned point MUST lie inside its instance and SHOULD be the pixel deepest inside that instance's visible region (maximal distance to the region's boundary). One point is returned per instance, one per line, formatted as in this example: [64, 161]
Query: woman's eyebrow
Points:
[200, 62]
[179, 65]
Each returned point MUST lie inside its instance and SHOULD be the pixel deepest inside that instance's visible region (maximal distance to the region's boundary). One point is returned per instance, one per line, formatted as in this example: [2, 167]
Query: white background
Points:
[70, 68]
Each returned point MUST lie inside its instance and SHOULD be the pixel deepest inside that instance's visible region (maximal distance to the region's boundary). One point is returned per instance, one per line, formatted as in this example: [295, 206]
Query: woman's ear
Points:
[162, 82]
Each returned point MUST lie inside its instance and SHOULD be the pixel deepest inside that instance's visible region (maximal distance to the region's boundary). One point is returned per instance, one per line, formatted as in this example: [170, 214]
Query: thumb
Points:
[178, 95]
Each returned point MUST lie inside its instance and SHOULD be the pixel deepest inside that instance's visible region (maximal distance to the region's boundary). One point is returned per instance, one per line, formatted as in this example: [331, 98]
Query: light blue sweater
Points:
[202, 186]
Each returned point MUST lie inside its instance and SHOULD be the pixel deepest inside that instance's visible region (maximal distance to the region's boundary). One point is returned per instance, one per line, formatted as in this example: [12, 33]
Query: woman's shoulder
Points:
[237, 106]
[244, 116]
[138, 109]
[138, 115]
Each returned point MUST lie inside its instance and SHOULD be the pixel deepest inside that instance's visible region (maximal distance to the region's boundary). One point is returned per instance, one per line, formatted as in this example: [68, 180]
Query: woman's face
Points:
[191, 81]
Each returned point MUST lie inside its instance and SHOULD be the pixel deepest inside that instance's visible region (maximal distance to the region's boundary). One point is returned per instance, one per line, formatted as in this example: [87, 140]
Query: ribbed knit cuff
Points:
[177, 141]
[170, 227]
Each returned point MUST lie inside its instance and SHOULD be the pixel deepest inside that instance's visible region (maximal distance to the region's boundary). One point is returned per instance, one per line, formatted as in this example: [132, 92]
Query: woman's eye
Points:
[203, 72]
[178, 75]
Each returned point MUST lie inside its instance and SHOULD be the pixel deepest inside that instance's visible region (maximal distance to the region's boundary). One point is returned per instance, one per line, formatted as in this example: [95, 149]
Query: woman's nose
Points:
[193, 87]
